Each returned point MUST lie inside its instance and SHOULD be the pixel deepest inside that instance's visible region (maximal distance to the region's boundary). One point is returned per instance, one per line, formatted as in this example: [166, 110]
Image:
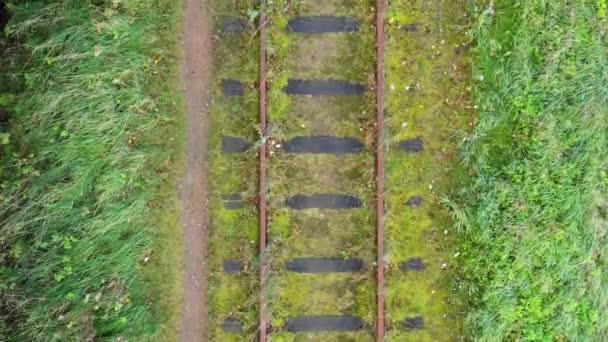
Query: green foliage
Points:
[533, 216]
[86, 168]
[602, 6]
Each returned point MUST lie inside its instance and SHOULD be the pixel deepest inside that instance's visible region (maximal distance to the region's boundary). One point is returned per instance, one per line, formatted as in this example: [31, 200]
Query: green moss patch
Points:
[316, 232]
[234, 232]
[424, 99]
[533, 216]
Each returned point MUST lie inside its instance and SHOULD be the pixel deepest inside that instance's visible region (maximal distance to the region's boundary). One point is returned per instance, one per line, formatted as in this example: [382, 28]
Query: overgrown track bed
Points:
[299, 171]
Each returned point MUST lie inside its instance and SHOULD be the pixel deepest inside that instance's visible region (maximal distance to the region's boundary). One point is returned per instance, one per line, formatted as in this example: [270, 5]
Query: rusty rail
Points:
[262, 199]
[380, 168]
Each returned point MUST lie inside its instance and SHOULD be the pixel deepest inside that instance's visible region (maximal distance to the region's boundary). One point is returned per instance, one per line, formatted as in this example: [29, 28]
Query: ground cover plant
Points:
[234, 232]
[426, 105]
[317, 232]
[533, 217]
[89, 157]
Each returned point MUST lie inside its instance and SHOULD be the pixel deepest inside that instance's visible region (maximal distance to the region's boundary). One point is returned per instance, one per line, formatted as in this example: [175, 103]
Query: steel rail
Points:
[262, 156]
[380, 169]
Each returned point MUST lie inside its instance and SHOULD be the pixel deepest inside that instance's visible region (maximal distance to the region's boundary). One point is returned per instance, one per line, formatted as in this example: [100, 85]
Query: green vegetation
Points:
[89, 157]
[316, 232]
[234, 233]
[425, 98]
[533, 216]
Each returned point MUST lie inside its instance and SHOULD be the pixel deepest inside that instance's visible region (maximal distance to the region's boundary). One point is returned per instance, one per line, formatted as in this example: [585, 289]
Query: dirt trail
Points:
[196, 70]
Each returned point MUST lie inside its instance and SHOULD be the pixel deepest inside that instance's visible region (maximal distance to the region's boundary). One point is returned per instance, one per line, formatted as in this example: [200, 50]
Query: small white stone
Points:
[278, 145]
[445, 232]
[404, 124]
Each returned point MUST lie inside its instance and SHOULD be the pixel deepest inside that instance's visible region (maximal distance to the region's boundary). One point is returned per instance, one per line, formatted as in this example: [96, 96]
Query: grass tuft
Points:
[533, 216]
[89, 162]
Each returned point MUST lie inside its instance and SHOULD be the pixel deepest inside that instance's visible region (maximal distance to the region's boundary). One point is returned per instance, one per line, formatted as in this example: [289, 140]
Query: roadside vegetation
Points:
[532, 218]
[90, 153]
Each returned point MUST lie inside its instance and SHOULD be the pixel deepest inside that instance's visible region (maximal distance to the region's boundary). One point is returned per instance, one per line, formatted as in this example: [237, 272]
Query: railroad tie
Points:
[232, 266]
[232, 88]
[323, 201]
[233, 201]
[412, 145]
[323, 87]
[232, 326]
[414, 202]
[412, 264]
[414, 323]
[324, 265]
[322, 24]
[233, 24]
[410, 28]
[323, 145]
[231, 145]
[323, 323]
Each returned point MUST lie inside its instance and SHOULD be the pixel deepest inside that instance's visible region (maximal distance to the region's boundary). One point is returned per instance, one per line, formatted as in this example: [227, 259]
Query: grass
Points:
[532, 216]
[90, 156]
[234, 234]
[425, 97]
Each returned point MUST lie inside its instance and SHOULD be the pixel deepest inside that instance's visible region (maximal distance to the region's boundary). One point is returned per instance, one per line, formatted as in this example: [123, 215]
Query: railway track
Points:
[319, 200]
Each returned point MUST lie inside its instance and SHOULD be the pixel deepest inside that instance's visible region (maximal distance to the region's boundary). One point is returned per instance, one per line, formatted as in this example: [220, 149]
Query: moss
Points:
[234, 234]
[424, 98]
[346, 234]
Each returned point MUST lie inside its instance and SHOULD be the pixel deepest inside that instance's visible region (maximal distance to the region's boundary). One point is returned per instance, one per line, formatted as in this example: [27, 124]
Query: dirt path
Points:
[196, 70]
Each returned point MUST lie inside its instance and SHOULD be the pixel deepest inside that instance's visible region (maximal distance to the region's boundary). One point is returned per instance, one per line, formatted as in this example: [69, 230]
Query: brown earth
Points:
[197, 66]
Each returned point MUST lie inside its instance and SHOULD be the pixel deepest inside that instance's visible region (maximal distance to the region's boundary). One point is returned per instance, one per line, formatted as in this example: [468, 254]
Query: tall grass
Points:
[534, 242]
[88, 168]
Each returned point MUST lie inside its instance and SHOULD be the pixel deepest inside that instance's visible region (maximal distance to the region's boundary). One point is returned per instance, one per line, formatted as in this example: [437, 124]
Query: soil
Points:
[197, 64]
